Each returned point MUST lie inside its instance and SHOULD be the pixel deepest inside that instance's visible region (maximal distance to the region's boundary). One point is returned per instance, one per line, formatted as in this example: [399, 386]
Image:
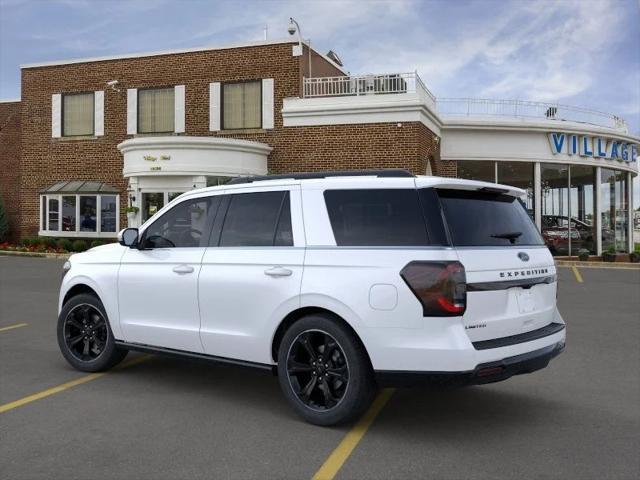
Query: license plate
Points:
[525, 300]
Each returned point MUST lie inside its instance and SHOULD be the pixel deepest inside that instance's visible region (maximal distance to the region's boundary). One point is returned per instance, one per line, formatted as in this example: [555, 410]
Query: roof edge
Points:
[10, 100]
[159, 53]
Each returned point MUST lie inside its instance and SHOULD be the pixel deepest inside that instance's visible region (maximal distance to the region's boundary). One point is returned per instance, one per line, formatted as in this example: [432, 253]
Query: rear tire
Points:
[324, 371]
[85, 337]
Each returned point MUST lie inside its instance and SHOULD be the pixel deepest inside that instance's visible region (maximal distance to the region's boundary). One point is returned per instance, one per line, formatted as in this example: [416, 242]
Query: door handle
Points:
[182, 269]
[278, 272]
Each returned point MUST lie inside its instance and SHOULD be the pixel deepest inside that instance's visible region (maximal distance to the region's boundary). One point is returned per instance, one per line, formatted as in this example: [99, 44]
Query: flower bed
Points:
[51, 245]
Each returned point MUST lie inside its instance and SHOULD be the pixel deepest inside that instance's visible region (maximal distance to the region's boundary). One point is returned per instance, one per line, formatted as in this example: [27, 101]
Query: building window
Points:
[582, 205]
[556, 228]
[80, 215]
[108, 213]
[88, 213]
[242, 105]
[156, 110]
[69, 213]
[614, 210]
[519, 174]
[477, 170]
[78, 114]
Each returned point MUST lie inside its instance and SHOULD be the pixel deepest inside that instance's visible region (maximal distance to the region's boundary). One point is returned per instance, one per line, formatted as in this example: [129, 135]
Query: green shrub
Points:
[583, 254]
[79, 246]
[48, 242]
[65, 244]
[26, 242]
[96, 243]
[4, 223]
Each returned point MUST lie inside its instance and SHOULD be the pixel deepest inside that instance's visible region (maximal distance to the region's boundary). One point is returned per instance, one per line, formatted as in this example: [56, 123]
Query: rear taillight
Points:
[441, 287]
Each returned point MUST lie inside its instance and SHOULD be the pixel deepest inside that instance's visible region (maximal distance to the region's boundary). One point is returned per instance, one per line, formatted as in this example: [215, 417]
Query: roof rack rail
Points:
[382, 173]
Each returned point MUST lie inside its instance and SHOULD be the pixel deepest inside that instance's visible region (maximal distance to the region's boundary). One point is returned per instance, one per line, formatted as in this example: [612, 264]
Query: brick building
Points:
[90, 137]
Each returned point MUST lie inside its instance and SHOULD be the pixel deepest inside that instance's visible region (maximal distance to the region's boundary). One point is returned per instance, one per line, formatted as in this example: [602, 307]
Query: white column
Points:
[537, 193]
[598, 213]
[630, 213]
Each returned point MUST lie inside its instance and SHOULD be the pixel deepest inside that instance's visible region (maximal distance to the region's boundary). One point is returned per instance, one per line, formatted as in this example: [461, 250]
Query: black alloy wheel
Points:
[84, 335]
[324, 370]
[318, 370]
[85, 332]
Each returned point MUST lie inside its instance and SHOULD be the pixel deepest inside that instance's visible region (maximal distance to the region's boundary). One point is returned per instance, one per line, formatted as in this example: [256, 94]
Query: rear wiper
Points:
[511, 236]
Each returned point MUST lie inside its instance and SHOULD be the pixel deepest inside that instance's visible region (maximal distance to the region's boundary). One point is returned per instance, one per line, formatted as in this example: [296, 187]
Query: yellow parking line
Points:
[65, 386]
[11, 327]
[577, 274]
[334, 463]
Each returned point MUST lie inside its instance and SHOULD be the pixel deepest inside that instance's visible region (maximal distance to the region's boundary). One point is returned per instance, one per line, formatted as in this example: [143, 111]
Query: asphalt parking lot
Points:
[169, 418]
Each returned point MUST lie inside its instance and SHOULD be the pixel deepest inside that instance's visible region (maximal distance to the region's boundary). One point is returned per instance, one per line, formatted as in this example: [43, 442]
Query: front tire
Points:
[85, 337]
[324, 371]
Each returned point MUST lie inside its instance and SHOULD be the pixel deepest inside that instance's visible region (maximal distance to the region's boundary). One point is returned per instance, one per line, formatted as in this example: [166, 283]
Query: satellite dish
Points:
[334, 57]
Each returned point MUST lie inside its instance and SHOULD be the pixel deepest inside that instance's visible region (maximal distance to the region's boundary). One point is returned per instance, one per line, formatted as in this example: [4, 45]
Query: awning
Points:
[80, 186]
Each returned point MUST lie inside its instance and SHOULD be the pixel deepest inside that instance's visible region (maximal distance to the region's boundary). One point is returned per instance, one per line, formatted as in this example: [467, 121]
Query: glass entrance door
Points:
[151, 203]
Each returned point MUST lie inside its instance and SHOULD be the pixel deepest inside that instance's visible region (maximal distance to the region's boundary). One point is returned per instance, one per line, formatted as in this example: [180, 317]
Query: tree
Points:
[4, 223]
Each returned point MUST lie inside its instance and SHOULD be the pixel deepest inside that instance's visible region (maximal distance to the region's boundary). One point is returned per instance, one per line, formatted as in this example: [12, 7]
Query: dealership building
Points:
[90, 137]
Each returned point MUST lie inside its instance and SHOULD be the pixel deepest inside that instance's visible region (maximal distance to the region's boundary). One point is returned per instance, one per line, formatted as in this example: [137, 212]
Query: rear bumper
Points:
[489, 372]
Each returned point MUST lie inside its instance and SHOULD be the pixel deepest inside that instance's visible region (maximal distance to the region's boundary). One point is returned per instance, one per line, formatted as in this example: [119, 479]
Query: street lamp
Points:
[292, 29]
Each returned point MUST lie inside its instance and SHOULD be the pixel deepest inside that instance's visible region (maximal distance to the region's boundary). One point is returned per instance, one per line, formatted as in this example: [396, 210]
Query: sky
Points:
[576, 52]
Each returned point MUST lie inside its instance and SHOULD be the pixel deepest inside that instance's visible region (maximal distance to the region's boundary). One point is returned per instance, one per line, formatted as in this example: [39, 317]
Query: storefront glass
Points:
[556, 228]
[615, 210]
[582, 206]
[519, 174]
[477, 170]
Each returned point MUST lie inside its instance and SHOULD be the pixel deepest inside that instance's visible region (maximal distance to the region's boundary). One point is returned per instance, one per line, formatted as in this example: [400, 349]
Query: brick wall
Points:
[10, 162]
[46, 160]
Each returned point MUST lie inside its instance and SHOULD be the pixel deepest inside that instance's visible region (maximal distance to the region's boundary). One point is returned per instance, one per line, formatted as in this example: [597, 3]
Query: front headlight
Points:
[65, 268]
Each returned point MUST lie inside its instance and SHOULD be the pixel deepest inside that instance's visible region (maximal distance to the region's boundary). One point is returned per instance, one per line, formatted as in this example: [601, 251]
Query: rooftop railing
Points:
[398, 83]
[526, 109]
[365, 85]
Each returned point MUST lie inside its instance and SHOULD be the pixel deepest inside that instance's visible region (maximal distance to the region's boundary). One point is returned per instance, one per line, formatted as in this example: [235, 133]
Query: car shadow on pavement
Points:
[489, 408]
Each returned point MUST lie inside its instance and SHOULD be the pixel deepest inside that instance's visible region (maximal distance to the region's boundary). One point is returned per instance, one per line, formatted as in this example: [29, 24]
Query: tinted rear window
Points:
[487, 219]
[376, 217]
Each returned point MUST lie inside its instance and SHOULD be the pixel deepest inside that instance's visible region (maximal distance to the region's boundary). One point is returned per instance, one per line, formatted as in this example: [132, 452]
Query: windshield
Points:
[487, 219]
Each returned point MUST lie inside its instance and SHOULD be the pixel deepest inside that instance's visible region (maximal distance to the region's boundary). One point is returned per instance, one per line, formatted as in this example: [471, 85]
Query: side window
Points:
[261, 219]
[185, 225]
[376, 217]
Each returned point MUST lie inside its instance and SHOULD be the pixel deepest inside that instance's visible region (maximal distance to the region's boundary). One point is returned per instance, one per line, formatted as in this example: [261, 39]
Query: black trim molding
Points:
[520, 338]
[138, 347]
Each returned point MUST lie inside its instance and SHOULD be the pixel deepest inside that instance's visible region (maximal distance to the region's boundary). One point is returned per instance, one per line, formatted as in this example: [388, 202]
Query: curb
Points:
[577, 263]
[11, 253]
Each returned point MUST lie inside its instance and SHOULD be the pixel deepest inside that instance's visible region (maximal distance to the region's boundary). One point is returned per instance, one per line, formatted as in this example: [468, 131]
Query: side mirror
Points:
[128, 237]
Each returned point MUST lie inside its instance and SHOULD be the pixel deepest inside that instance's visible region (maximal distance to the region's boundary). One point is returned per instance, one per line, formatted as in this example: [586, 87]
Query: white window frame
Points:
[45, 232]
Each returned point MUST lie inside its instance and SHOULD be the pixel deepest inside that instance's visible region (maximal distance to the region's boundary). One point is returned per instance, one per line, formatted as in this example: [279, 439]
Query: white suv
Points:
[336, 282]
